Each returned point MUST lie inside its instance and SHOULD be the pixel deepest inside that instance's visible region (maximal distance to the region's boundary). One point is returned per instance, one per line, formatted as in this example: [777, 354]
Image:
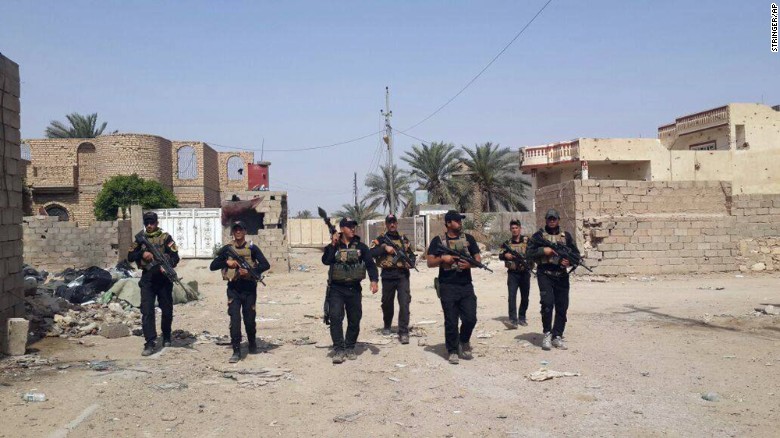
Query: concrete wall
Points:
[635, 227]
[755, 153]
[11, 294]
[55, 245]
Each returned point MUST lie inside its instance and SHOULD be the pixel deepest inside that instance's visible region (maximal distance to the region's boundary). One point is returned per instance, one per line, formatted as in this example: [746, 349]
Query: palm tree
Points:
[492, 173]
[434, 168]
[379, 188]
[80, 127]
[361, 212]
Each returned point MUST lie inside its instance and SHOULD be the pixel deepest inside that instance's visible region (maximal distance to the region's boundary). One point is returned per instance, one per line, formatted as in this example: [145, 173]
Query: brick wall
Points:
[56, 245]
[225, 184]
[203, 190]
[70, 172]
[637, 227]
[11, 295]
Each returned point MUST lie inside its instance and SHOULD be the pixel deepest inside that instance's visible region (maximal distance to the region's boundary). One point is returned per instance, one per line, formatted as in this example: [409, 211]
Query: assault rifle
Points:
[564, 252]
[229, 251]
[326, 305]
[441, 249]
[517, 257]
[159, 259]
[400, 253]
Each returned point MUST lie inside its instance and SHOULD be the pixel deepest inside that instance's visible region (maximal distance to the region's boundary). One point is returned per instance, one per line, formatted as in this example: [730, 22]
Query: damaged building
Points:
[701, 197]
[65, 175]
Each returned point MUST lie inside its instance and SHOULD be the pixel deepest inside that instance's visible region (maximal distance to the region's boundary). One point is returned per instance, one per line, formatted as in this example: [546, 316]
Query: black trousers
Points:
[458, 303]
[345, 299]
[389, 289]
[242, 301]
[162, 290]
[515, 280]
[554, 294]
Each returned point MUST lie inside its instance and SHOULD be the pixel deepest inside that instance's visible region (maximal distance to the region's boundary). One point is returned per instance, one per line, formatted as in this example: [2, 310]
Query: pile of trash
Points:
[80, 302]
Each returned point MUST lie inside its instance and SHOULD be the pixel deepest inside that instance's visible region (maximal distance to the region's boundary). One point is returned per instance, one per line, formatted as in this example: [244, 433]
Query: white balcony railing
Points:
[551, 154]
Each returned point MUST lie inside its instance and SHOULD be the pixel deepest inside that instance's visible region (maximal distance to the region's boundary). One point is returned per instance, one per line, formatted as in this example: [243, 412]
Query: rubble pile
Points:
[92, 301]
[110, 321]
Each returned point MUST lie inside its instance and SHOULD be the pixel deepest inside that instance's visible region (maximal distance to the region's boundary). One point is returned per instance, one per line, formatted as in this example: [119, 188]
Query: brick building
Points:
[65, 175]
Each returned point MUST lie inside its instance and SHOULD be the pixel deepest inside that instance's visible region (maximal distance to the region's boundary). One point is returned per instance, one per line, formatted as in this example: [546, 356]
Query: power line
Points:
[413, 137]
[468, 84]
[301, 149]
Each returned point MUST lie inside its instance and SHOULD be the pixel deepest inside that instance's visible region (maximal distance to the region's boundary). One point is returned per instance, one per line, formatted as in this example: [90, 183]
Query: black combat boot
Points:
[236, 355]
[253, 347]
[148, 349]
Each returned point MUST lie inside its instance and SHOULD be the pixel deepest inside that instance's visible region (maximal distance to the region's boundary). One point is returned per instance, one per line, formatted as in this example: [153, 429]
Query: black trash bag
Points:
[77, 294]
[125, 266]
[97, 280]
[70, 274]
[39, 276]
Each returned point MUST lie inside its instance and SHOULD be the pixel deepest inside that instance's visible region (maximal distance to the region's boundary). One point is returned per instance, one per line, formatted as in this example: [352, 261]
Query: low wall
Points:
[640, 227]
[53, 245]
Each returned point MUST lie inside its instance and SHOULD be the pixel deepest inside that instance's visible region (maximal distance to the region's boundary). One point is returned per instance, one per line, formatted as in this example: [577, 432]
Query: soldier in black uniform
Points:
[553, 278]
[349, 259]
[395, 277]
[241, 288]
[455, 288]
[517, 275]
[154, 284]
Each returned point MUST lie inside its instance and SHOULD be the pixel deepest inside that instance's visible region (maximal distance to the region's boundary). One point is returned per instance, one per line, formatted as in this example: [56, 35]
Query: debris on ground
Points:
[711, 396]
[348, 418]
[418, 332]
[81, 302]
[305, 340]
[710, 288]
[102, 365]
[171, 386]
[205, 336]
[544, 374]
[253, 377]
[769, 309]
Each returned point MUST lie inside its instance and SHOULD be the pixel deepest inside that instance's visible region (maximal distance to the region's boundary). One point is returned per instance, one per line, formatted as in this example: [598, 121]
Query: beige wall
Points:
[720, 135]
[596, 150]
[637, 227]
[54, 245]
[755, 168]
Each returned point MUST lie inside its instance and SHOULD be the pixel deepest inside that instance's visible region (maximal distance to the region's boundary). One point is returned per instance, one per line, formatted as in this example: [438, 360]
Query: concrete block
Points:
[16, 334]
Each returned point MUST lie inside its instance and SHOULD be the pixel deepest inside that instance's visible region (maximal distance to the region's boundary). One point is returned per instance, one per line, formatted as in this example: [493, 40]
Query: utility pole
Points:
[388, 138]
[354, 189]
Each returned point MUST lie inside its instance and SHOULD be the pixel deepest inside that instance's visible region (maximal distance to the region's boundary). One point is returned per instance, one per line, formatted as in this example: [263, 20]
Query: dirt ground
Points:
[646, 350]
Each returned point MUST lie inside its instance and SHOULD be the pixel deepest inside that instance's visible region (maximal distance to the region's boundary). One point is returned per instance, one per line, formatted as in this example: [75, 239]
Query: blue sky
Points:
[303, 74]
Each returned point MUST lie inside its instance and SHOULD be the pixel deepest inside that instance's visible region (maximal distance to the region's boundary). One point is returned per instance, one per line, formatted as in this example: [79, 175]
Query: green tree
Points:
[305, 214]
[80, 127]
[121, 191]
[379, 188]
[361, 212]
[493, 179]
[435, 169]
